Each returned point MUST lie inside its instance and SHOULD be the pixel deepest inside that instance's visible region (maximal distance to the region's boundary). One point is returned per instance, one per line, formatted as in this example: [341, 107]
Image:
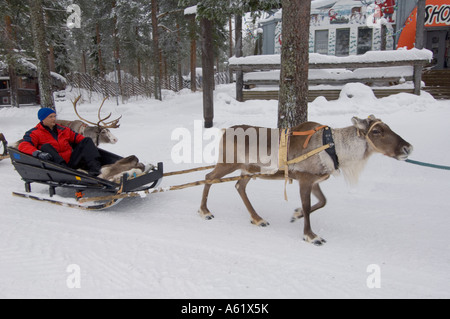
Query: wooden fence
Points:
[368, 64]
[131, 86]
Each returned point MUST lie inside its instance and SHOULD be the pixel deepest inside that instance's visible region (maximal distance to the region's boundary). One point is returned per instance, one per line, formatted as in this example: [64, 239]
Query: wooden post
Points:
[420, 30]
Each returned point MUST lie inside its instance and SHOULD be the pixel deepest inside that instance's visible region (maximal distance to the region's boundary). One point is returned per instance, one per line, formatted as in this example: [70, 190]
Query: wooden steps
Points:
[437, 83]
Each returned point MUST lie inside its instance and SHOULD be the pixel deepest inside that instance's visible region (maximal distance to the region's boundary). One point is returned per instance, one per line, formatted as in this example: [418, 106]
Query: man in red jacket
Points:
[51, 142]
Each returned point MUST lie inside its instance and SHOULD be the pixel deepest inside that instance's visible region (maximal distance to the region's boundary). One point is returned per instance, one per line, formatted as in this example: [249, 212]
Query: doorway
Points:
[438, 41]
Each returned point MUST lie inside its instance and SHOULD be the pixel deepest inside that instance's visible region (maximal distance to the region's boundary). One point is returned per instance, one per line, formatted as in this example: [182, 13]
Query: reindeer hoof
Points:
[205, 215]
[261, 223]
[316, 241]
[297, 215]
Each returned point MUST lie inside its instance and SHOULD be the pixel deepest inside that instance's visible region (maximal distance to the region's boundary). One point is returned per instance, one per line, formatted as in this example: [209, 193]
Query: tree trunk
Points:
[40, 47]
[293, 101]
[101, 69]
[239, 53]
[208, 72]
[193, 35]
[157, 55]
[14, 90]
[117, 55]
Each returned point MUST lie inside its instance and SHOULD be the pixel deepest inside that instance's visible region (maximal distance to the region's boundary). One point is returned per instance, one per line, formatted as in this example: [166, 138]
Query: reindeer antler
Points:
[76, 111]
[102, 123]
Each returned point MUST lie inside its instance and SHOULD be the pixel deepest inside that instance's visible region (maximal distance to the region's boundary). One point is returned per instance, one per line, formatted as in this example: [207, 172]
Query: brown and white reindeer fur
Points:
[354, 145]
[128, 165]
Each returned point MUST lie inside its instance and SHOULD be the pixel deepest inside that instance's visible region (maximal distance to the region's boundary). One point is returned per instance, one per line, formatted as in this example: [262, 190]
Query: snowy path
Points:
[397, 218]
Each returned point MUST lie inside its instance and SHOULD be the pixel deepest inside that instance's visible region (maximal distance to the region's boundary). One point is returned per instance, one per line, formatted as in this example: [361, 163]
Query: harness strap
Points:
[309, 134]
[366, 136]
[284, 151]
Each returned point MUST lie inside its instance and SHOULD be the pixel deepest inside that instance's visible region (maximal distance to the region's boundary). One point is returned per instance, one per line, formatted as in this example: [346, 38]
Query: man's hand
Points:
[43, 156]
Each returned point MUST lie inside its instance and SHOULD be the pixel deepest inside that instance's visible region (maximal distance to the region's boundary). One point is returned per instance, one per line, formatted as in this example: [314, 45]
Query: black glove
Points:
[43, 156]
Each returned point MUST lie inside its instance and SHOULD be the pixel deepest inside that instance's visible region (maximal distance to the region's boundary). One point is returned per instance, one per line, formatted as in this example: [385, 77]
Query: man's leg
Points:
[86, 155]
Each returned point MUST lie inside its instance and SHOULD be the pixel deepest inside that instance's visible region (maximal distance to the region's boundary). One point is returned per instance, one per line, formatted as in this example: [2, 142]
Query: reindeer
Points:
[353, 146]
[99, 132]
[114, 172]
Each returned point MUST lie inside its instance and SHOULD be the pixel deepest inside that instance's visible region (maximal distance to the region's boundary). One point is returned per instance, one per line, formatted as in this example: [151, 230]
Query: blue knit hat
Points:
[44, 113]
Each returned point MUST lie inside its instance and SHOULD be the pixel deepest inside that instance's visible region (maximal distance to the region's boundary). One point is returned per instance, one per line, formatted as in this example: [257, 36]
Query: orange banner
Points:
[437, 14]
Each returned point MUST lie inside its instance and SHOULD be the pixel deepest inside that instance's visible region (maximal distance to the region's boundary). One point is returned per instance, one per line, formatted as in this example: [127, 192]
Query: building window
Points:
[365, 36]
[4, 85]
[342, 42]
[321, 43]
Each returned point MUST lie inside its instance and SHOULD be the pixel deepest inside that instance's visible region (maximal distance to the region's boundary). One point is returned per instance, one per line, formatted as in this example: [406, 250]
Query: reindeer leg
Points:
[306, 187]
[256, 219]
[219, 171]
[317, 192]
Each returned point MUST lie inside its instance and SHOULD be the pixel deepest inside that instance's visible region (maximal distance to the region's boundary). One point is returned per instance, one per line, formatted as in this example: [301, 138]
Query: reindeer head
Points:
[382, 139]
[103, 134]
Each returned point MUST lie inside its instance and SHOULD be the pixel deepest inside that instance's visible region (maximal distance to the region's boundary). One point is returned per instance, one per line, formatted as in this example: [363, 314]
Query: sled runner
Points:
[34, 170]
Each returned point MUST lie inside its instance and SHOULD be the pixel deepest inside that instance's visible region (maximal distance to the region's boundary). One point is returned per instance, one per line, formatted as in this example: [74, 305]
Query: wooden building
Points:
[353, 27]
[27, 83]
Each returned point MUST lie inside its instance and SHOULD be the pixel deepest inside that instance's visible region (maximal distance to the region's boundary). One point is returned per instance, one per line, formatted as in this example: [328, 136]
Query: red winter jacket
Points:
[60, 138]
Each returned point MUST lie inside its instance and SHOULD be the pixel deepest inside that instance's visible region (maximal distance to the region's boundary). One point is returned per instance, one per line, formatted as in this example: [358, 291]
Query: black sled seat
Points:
[34, 170]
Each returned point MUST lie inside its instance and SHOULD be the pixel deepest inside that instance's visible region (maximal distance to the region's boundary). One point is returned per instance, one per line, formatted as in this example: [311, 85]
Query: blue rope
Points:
[428, 165]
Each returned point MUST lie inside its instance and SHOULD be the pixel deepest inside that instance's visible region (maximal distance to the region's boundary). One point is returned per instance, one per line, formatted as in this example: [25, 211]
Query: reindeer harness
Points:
[328, 146]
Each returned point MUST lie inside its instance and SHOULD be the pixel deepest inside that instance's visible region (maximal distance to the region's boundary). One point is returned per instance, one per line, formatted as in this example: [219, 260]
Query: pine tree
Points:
[216, 13]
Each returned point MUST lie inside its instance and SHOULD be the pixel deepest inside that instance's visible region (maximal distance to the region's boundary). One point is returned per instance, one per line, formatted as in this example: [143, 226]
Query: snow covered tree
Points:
[213, 13]
[293, 100]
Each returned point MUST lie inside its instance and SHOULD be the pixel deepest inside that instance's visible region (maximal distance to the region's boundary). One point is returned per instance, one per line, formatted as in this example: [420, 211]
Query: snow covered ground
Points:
[391, 231]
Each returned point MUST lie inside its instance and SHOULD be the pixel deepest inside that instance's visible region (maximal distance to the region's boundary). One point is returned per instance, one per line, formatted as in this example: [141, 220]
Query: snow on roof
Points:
[369, 57]
[32, 69]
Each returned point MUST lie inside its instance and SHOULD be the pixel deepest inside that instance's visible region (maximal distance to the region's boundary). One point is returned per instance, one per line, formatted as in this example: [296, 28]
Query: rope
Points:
[198, 169]
[428, 165]
[171, 188]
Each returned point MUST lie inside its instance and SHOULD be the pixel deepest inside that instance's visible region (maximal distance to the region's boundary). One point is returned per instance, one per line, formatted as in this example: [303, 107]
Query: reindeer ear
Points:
[360, 124]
